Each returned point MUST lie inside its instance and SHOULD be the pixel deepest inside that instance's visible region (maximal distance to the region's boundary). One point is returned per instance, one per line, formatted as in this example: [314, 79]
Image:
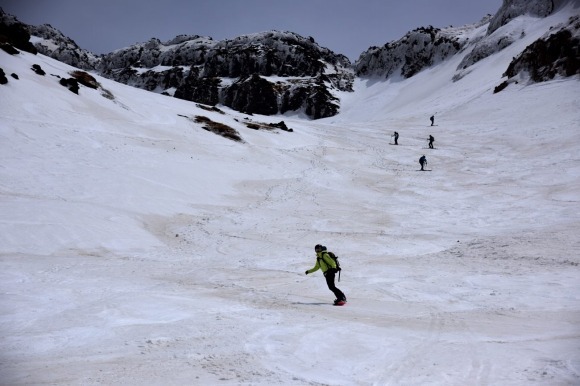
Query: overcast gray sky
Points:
[347, 27]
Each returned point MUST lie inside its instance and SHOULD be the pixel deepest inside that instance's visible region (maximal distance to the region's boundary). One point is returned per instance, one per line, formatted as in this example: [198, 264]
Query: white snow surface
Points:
[137, 248]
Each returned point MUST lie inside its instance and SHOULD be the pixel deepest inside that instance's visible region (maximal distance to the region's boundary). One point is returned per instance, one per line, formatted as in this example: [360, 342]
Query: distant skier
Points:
[329, 269]
[423, 162]
[396, 135]
[431, 140]
[432, 120]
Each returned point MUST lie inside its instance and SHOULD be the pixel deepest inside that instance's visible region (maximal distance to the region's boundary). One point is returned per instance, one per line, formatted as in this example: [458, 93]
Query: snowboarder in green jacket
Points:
[328, 266]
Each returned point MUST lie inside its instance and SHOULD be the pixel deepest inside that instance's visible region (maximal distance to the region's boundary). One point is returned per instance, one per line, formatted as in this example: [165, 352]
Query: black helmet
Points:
[318, 248]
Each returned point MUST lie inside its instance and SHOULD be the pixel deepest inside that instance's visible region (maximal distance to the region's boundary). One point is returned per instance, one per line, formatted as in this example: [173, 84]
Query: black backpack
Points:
[335, 258]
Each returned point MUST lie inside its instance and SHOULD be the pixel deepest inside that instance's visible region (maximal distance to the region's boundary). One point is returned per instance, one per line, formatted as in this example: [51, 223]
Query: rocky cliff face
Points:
[237, 72]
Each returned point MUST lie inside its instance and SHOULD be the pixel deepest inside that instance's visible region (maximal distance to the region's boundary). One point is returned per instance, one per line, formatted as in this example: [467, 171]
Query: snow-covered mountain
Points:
[280, 72]
[149, 240]
[426, 47]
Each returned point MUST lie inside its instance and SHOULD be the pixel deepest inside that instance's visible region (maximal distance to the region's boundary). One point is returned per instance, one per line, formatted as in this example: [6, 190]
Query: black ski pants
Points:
[329, 276]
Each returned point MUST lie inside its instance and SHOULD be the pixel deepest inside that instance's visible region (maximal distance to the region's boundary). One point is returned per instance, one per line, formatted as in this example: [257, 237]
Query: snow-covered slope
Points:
[138, 248]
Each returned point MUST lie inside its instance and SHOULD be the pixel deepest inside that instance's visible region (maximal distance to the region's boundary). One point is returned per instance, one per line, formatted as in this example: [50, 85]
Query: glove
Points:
[306, 273]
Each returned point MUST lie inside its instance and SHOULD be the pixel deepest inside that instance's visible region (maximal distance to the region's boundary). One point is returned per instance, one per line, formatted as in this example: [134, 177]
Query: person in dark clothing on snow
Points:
[328, 266]
[423, 161]
[432, 120]
[396, 135]
[431, 139]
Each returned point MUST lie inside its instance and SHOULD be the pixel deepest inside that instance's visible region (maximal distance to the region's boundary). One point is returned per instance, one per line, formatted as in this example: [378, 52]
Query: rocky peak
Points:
[418, 49]
[271, 53]
[183, 50]
[51, 42]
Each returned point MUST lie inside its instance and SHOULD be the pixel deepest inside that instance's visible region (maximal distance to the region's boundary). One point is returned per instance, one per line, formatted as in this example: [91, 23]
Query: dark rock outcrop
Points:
[71, 83]
[38, 70]
[555, 55]
[198, 89]
[3, 79]
[14, 35]
[252, 95]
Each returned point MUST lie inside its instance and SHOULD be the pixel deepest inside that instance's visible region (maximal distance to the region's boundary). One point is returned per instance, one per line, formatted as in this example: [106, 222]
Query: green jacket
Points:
[323, 262]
